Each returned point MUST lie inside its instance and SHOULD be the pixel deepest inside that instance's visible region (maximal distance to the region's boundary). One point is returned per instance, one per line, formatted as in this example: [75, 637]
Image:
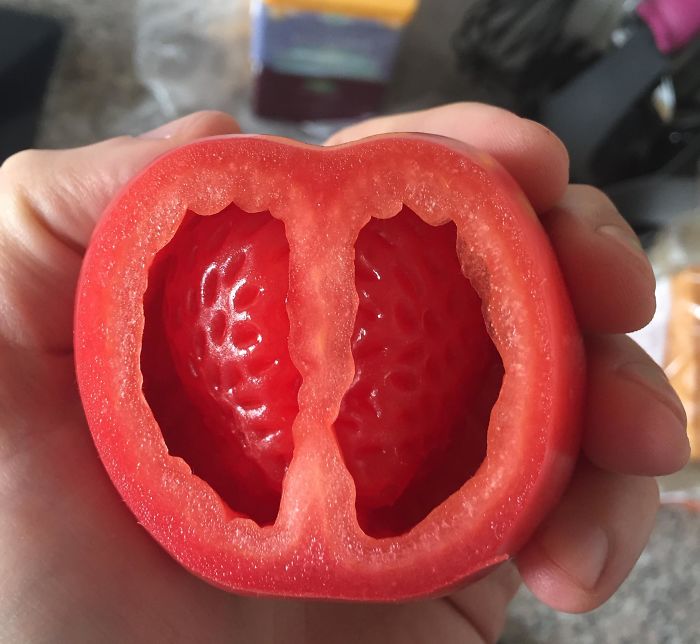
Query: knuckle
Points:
[18, 163]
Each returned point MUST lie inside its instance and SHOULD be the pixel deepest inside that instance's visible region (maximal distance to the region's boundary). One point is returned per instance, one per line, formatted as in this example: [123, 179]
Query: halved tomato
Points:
[349, 372]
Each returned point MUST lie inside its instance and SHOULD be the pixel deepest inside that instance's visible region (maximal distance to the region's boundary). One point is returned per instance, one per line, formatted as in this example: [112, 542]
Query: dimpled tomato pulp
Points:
[411, 427]
[349, 373]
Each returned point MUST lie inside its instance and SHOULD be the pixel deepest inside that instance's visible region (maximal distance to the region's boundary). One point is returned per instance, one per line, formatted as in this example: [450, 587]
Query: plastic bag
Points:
[673, 339]
[193, 54]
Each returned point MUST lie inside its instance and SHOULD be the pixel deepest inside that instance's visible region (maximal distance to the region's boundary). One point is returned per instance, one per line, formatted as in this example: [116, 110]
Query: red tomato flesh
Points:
[347, 372]
[412, 426]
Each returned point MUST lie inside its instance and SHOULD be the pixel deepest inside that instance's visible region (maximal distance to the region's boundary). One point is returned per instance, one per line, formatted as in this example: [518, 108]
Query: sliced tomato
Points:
[348, 372]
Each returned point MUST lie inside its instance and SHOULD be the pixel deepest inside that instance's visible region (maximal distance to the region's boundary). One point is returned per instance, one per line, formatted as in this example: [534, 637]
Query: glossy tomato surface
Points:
[349, 372]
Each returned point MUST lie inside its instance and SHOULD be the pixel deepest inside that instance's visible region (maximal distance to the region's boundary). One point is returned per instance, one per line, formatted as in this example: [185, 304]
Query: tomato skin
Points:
[316, 548]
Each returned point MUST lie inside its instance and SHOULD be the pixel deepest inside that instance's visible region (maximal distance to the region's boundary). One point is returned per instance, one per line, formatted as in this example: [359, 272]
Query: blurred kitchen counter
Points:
[658, 604]
[95, 94]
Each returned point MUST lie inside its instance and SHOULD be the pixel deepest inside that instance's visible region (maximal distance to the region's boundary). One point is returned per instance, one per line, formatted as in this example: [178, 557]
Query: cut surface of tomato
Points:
[347, 372]
[412, 426]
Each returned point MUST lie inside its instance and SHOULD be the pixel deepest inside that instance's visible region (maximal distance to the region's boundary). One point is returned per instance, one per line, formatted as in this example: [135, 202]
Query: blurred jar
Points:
[324, 59]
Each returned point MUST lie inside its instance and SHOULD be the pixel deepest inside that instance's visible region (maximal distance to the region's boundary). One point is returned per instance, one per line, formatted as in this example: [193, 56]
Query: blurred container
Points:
[672, 338]
[676, 259]
[683, 348]
[324, 59]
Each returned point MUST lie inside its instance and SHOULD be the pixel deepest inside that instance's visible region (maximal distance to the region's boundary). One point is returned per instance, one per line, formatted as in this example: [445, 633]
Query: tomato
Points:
[349, 372]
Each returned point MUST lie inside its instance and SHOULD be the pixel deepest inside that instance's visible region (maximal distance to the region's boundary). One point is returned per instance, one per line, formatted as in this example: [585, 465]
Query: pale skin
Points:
[76, 566]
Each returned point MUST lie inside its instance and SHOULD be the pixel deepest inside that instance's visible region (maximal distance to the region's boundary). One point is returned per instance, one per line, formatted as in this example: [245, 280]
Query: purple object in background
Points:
[673, 22]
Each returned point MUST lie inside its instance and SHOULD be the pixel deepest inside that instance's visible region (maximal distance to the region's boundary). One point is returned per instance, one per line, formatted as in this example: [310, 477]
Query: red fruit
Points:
[206, 478]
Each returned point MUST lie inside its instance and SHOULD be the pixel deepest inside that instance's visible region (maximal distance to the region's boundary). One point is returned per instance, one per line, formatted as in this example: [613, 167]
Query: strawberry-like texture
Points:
[227, 326]
[411, 427]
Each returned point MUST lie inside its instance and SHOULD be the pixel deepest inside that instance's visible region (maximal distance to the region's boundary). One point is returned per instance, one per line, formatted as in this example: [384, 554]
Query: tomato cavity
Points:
[219, 377]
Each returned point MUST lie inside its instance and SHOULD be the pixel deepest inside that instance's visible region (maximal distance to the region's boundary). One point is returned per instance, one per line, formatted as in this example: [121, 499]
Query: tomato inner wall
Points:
[215, 359]
[411, 428]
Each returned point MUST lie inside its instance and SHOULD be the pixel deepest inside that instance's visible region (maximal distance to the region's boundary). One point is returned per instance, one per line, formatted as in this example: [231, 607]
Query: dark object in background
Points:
[586, 111]
[520, 45]
[299, 98]
[28, 47]
[621, 88]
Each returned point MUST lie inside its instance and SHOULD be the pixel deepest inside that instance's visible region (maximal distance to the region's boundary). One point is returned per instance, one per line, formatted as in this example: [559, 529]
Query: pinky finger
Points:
[589, 545]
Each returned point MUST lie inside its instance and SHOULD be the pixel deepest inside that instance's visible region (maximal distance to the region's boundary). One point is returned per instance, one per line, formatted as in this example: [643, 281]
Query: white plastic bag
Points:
[193, 54]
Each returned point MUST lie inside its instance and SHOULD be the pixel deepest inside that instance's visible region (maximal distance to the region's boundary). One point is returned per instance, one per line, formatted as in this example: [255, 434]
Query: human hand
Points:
[78, 568]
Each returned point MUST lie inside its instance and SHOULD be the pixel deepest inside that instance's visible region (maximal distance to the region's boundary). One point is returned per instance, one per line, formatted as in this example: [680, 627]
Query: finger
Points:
[634, 420]
[608, 276]
[65, 191]
[532, 154]
[49, 204]
[484, 603]
[588, 546]
[474, 614]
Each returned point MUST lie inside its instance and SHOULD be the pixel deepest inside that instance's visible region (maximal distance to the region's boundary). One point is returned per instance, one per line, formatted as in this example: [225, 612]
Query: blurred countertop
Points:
[95, 94]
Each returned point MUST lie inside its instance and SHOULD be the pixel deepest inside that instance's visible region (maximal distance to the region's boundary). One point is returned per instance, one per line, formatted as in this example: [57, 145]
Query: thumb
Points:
[49, 204]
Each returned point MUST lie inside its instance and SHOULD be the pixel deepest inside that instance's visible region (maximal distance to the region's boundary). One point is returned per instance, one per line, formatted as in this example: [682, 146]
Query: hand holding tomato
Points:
[75, 554]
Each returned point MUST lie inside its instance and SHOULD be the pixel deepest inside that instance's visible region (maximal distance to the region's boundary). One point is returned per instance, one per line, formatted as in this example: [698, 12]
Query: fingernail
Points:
[585, 562]
[623, 236]
[654, 380]
[165, 131]
[170, 129]
[202, 123]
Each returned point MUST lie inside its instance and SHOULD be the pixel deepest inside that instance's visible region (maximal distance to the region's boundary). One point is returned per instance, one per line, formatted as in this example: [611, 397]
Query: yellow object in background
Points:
[394, 11]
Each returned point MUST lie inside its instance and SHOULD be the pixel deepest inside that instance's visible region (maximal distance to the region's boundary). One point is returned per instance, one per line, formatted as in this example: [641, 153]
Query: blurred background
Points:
[617, 80]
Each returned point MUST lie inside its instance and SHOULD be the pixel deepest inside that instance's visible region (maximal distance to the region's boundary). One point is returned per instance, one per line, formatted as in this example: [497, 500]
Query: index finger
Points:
[530, 152]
